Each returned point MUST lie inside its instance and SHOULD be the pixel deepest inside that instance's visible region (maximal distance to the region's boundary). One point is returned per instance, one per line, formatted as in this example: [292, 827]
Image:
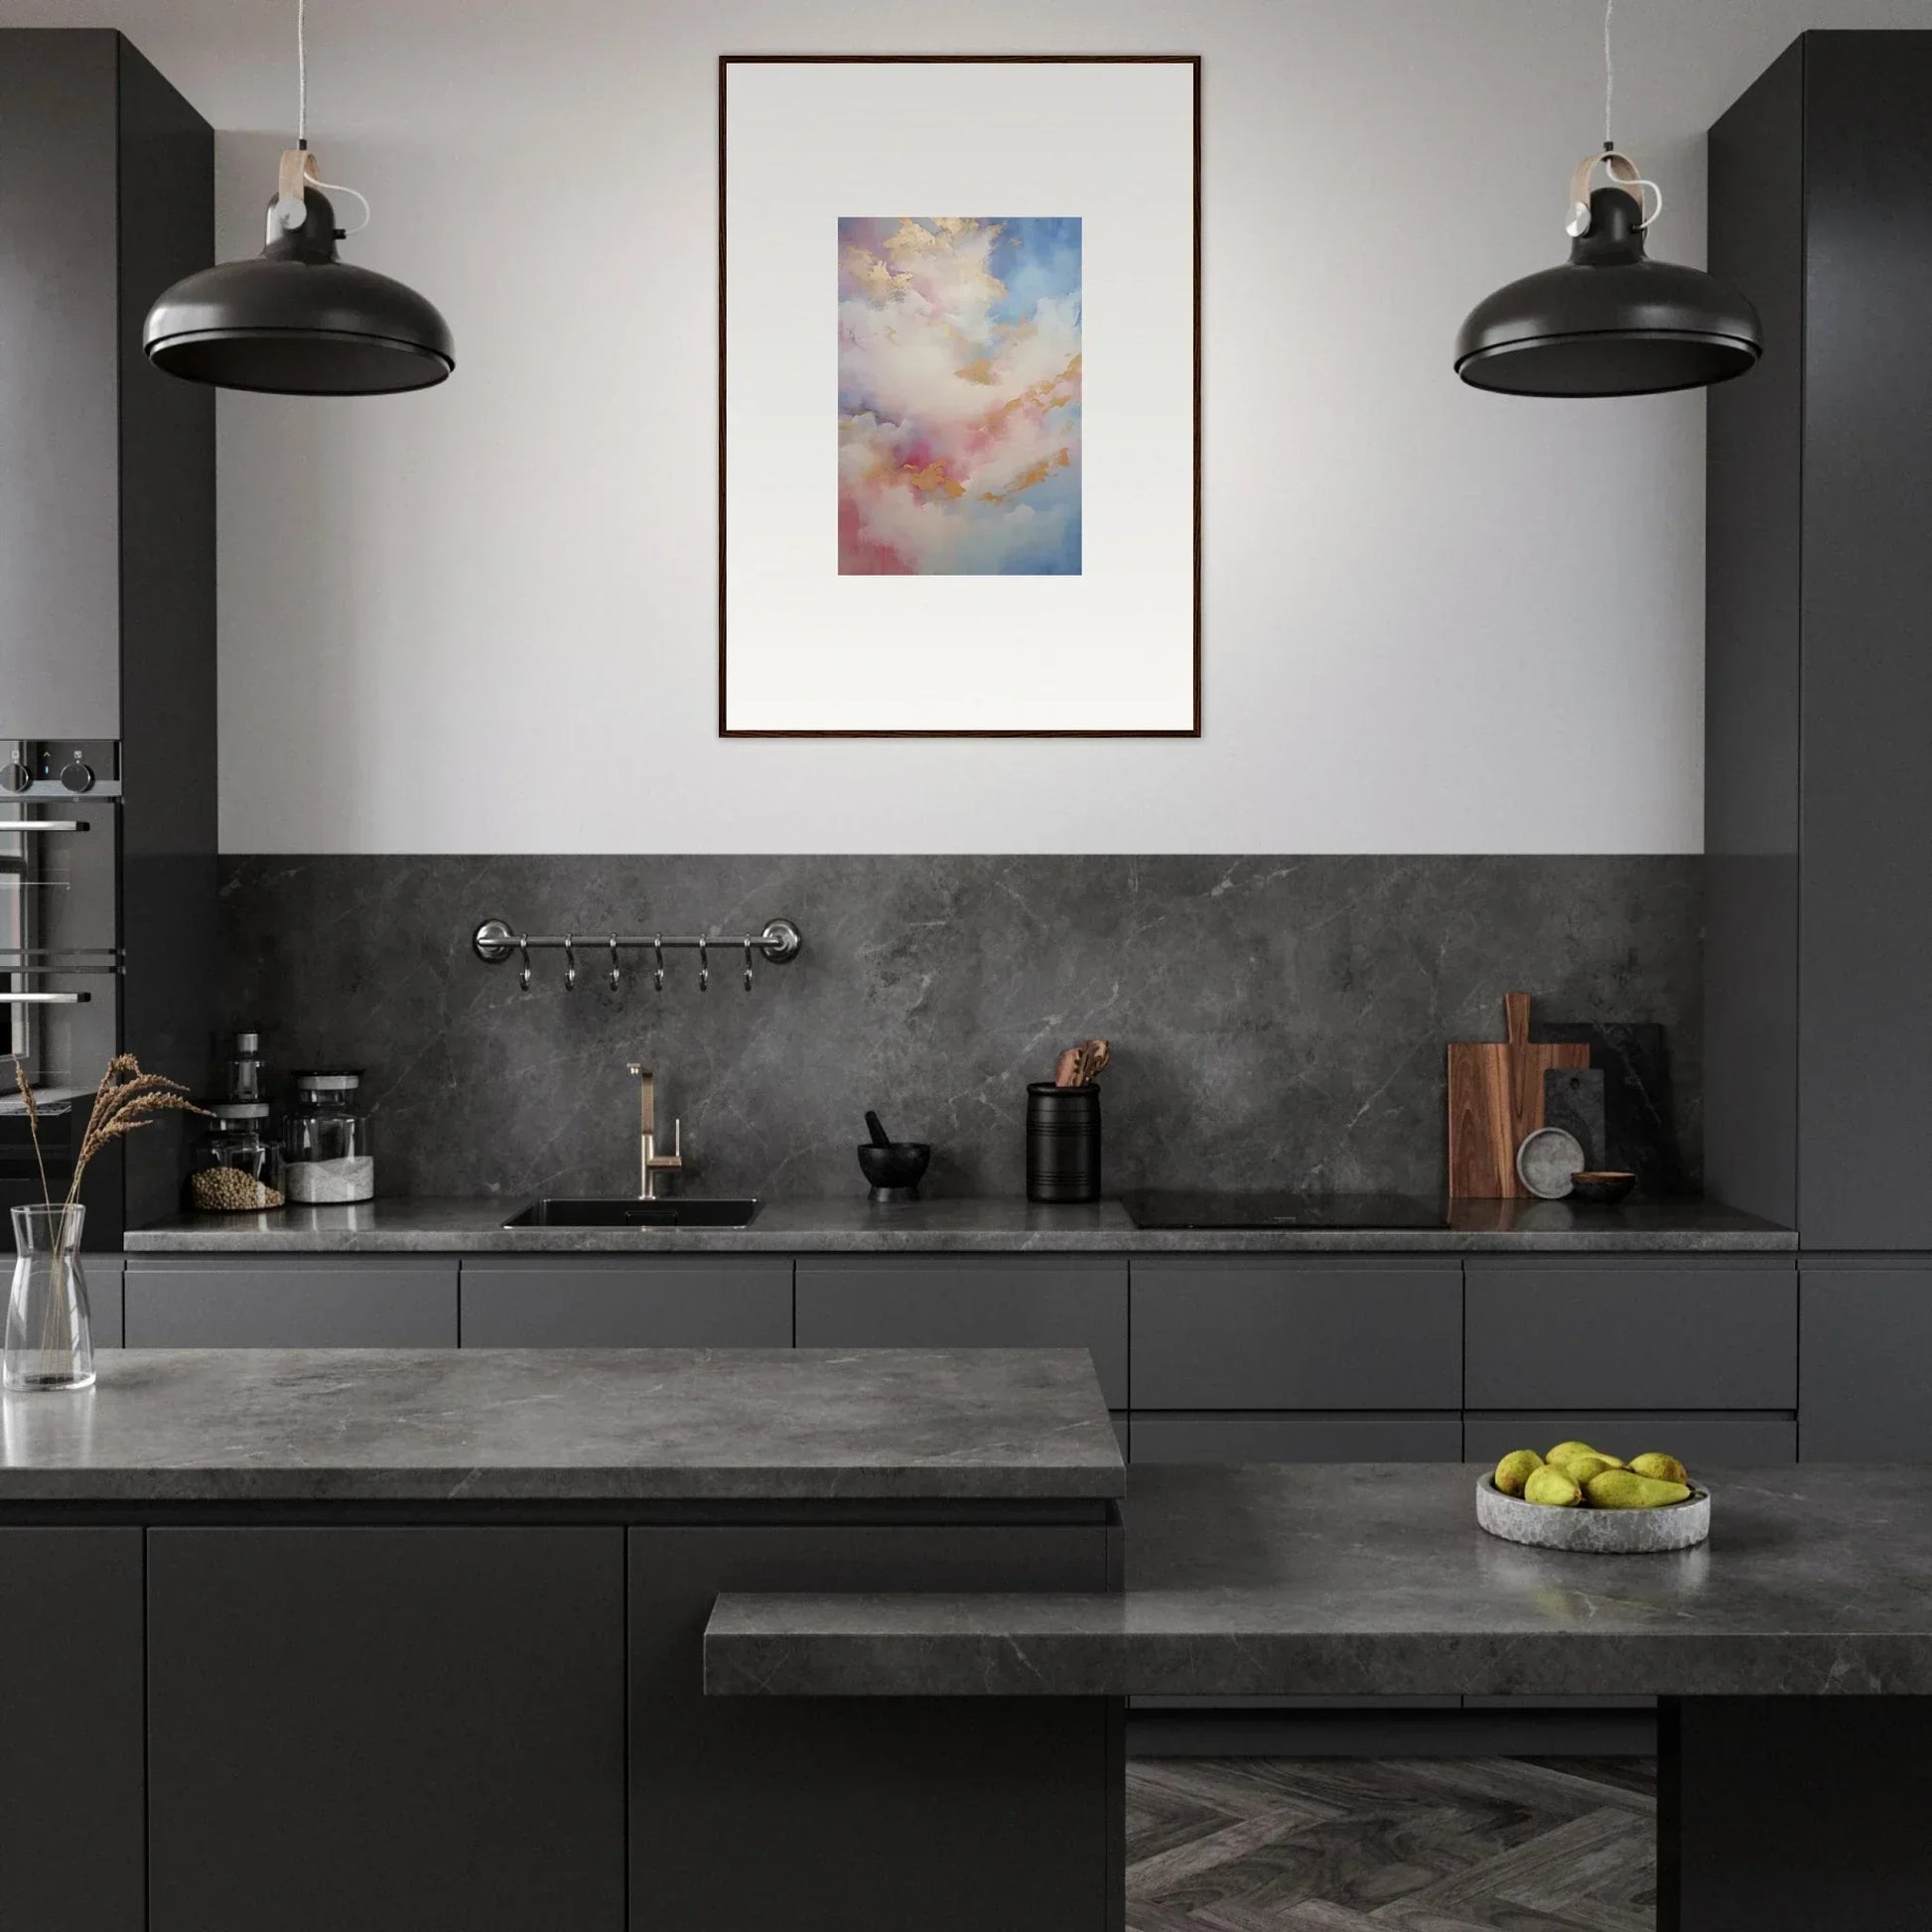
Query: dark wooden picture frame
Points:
[728, 61]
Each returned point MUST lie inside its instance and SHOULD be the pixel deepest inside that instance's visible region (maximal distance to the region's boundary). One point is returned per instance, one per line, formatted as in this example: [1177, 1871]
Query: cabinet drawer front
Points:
[1298, 1439]
[1719, 1442]
[393, 1304]
[1018, 1302]
[1867, 1390]
[72, 1787]
[1240, 1333]
[591, 1302]
[1637, 1336]
[103, 1273]
[307, 1687]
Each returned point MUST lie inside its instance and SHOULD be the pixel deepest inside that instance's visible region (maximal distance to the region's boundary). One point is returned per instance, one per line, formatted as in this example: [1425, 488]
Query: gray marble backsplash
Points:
[1276, 1022]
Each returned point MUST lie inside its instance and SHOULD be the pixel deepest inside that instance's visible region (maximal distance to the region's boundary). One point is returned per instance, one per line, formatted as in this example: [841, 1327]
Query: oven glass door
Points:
[60, 966]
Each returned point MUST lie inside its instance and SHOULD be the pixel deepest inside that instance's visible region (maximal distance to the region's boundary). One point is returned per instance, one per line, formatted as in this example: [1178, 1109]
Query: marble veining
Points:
[1276, 1022]
[565, 1425]
[1372, 1579]
[960, 1226]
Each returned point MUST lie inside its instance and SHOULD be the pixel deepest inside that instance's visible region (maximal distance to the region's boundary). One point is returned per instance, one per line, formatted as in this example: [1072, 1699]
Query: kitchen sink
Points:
[621, 1213]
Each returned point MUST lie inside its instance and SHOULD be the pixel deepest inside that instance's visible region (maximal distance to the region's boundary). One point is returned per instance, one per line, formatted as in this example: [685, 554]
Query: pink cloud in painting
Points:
[959, 396]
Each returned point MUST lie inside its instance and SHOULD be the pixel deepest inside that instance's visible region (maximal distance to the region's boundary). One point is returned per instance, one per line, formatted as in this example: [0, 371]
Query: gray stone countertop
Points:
[958, 1226]
[533, 1425]
[1373, 1579]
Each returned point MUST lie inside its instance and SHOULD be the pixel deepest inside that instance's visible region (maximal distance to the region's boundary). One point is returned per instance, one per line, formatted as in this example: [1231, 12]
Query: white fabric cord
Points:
[336, 187]
[1610, 74]
[292, 214]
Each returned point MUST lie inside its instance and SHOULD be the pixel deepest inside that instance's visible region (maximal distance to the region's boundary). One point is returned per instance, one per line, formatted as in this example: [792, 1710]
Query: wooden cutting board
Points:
[1495, 1100]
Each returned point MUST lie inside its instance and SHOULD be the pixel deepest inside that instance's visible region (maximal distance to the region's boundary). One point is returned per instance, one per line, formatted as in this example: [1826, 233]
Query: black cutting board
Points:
[1639, 1119]
[1572, 1099]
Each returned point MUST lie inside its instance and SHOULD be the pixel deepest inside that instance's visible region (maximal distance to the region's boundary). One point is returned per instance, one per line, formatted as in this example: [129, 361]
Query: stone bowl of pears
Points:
[1580, 1498]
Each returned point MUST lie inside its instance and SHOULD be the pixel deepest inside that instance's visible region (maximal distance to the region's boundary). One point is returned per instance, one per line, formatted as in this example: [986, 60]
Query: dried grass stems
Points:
[126, 1099]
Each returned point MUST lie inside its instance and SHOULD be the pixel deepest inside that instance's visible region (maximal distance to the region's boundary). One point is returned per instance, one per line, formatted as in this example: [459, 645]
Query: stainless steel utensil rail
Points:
[495, 941]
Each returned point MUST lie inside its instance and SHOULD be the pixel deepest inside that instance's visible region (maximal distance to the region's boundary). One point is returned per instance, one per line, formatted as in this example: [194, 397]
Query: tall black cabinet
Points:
[106, 596]
[1819, 716]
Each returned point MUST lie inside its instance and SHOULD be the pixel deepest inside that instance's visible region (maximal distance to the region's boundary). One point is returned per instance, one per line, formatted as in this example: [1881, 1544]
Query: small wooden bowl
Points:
[1603, 1187]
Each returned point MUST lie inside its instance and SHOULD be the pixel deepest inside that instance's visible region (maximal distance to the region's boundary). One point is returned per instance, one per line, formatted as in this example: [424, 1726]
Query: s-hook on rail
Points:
[495, 942]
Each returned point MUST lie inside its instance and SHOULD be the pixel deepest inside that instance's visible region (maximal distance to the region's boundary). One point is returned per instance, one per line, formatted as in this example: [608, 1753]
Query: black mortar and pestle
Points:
[894, 1168]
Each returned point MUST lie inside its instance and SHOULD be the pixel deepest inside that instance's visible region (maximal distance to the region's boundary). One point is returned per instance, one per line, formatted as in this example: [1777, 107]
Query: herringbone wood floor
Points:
[1413, 1845]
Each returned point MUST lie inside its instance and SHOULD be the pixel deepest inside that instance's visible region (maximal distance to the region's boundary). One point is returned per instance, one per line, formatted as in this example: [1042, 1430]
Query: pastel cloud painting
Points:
[959, 396]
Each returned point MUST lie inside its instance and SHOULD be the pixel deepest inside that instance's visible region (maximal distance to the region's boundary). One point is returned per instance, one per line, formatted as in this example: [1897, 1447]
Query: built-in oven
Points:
[60, 963]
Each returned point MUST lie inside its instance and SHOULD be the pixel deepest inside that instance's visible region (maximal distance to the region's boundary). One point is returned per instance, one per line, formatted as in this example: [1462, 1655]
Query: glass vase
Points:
[50, 1338]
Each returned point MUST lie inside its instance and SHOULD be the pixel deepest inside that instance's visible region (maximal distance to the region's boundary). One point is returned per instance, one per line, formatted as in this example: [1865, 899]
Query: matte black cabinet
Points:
[1818, 690]
[60, 516]
[103, 1273]
[1657, 1333]
[1866, 1345]
[415, 1729]
[938, 1302]
[265, 1301]
[72, 1837]
[1227, 1331]
[1704, 1439]
[1233, 1358]
[109, 197]
[733, 1800]
[1229, 1436]
[107, 559]
[614, 1302]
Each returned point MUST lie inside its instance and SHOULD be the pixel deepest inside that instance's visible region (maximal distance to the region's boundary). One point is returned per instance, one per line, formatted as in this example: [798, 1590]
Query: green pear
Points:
[1565, 1451]
[1551, 1486]
[1515, 1469]
[1579, 1468]
[1625, 1489]
[1666, 1468]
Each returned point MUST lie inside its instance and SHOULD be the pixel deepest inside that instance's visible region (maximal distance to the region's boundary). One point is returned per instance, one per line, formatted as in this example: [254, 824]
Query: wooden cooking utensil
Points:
[1495, 1100]
[1067, 1067]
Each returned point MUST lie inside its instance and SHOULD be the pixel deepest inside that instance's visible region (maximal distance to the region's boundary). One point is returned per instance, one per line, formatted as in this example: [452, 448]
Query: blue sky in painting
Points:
[1039, 255]
[1035, 255]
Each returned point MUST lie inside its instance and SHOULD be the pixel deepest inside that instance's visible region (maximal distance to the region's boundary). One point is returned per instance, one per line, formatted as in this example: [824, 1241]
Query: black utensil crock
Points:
[1063, 1142]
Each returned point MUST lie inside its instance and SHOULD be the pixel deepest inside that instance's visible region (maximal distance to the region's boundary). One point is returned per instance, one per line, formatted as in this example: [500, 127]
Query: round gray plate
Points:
[1600, 1532]
[1547, 1159]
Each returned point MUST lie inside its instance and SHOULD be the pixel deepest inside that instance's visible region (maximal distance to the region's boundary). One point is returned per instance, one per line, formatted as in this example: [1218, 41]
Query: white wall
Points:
[483, 618]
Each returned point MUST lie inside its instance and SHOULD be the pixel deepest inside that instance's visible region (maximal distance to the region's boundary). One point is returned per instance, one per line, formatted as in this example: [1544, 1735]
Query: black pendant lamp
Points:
[1609, 321]
[298, 321]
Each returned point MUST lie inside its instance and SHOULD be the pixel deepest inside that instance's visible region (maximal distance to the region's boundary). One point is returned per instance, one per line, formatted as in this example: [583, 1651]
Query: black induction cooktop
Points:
[1155, 1208]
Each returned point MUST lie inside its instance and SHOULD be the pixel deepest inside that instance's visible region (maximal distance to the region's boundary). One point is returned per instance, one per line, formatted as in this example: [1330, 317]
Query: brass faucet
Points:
[650, 1162]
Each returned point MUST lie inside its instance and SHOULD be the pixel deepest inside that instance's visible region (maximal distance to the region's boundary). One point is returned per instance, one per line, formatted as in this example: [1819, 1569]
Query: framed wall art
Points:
[959, 396]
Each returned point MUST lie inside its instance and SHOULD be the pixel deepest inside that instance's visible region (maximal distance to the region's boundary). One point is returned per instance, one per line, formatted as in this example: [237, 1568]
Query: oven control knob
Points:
[15, 777]
[78, 776]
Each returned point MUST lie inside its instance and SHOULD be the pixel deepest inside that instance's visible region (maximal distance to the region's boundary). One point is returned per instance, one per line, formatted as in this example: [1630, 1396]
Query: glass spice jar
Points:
[326, 1139]
[242, 1070]
[237, 1164]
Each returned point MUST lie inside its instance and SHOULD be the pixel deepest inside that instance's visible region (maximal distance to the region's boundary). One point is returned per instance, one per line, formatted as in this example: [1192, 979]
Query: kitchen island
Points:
[413, 1639]
[1793, 1651]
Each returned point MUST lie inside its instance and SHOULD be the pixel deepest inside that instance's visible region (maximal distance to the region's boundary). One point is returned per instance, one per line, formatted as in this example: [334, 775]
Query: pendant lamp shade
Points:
[1609, 321]
[299, 320]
